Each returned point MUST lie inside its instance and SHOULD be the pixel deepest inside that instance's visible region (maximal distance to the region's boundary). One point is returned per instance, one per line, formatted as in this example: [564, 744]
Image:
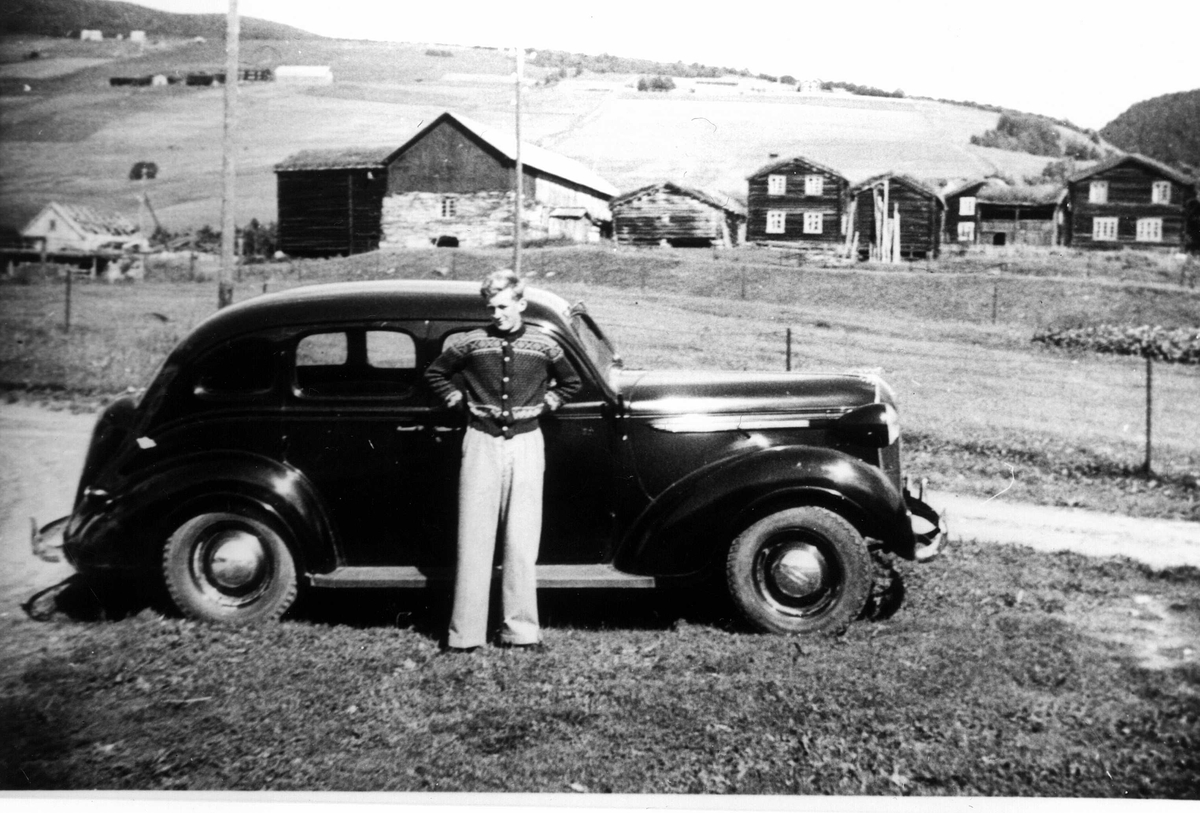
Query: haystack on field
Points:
[72, 136]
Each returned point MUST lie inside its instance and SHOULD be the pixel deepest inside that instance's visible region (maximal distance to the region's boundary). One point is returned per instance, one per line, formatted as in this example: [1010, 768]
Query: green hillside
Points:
[65, 134]
[61, 18]
[1165, 127]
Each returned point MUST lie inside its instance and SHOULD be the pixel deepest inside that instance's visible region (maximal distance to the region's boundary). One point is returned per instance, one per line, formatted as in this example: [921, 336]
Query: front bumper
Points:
[929, 528]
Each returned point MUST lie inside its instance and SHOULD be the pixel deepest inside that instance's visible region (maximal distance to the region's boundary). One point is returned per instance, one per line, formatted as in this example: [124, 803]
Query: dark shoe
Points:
[458, 650]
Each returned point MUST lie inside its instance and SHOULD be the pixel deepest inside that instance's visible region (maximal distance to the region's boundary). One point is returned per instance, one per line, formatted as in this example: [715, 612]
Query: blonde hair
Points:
[501, 280]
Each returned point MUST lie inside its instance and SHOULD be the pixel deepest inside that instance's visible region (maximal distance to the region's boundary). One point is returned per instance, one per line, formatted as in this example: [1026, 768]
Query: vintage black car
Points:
[291, 442]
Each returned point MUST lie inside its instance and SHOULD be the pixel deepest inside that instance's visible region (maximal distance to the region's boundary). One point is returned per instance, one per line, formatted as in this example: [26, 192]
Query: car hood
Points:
[650, 394]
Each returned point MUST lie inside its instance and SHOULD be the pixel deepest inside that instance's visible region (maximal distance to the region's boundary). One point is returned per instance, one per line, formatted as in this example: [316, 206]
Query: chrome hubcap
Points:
[236, 559]
[799, 572]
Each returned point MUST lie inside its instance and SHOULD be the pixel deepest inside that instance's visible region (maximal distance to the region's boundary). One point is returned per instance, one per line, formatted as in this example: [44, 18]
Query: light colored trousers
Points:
[499, 497]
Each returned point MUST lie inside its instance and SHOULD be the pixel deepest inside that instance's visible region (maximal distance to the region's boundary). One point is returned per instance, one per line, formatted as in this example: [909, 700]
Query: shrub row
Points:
[1177, 345]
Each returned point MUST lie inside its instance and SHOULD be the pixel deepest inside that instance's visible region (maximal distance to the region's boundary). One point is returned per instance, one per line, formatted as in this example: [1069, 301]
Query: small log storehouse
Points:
[990, 212]
[670, 214]
[895, 216]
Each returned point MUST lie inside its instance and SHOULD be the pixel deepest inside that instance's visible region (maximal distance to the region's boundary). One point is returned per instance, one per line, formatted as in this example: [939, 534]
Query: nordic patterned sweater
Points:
[510, 379]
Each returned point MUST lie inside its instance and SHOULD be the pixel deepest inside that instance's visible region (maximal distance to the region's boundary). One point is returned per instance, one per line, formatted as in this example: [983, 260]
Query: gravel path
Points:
[42, 451]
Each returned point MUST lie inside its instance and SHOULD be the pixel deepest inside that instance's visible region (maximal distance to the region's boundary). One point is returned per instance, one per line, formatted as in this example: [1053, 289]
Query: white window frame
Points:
[776, 221]
[1149, 230]
[1098, 192]
[1160, 192]
[966, 206]
[776, 184]
[1104, 229]
[814, 186]
[814, 223]
[966, 231]
[449, 207]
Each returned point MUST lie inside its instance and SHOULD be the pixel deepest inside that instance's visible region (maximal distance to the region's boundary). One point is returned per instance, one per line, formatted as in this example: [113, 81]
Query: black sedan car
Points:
[291, 442]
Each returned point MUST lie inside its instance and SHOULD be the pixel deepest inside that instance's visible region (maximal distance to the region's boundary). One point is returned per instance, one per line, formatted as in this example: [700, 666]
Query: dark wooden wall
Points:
[330, 212]
[449, 160]
[920, 219]
[1129, 187]
[794, 203]
[674, 217]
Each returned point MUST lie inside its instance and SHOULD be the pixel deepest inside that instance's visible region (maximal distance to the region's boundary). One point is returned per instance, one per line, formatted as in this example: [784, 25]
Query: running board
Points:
[547, 576]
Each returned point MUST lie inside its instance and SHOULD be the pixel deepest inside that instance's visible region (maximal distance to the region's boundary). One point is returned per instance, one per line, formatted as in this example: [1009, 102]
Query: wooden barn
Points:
[330, 201]
[990, 212]
[673, 215]
[796, 200]
[1131, 200]
[453, 183]
[895, 216]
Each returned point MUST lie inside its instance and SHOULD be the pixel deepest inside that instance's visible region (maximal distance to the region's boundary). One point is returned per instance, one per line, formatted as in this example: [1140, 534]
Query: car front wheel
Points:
[229, 568]
[799, 571]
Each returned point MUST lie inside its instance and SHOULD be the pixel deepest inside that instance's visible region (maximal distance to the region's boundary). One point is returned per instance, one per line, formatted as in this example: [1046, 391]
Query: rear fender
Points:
[153, 506]
[689, 524]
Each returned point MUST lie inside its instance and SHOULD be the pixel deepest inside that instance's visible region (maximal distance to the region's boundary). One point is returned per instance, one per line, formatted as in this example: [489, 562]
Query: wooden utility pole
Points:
[229, 170]
[520, 200]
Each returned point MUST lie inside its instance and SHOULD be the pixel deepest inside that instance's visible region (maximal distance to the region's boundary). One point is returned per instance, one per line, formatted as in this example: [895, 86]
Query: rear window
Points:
[237, 368]
[356, 363]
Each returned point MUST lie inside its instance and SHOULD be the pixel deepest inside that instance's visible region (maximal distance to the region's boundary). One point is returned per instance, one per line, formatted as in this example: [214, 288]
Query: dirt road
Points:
[42, 450]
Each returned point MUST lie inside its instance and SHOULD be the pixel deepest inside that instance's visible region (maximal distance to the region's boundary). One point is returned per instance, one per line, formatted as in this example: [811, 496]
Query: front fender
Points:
[126, 532]
[682, 531]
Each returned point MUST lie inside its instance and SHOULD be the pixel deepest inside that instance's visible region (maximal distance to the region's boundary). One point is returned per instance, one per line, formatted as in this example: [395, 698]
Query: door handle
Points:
[407, 427]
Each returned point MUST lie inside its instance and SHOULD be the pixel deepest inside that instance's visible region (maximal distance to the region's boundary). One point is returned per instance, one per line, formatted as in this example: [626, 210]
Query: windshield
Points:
[595, 344]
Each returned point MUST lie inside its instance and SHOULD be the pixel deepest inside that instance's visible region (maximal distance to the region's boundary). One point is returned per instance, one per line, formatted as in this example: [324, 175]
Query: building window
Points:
[1160, 192]
[449, 207]
[1149, 230]
[1098, 192]
[53, 224]
[966, 207]
[1104, 228]
[812, 222]
[775, 222]
[665, 220]
[814, 185]
[966, 232]
[776, 184]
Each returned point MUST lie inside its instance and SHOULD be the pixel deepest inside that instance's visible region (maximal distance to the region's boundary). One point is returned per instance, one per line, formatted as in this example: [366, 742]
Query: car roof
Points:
[380, 300]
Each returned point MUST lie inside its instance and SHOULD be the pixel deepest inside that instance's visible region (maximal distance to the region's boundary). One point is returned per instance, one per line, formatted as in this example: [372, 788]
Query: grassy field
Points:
[984, 409]
[1008, 673]
[72, 137]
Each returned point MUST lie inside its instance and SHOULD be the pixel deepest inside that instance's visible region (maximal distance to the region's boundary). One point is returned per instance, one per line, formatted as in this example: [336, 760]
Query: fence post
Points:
[743, 270]
[1149, 411]
[995, 298]
[789, 350]
[67, 314]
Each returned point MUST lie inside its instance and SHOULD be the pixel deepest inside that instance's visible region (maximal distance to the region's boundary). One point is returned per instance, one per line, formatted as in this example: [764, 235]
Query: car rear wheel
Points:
[799, 571]
[229, 568]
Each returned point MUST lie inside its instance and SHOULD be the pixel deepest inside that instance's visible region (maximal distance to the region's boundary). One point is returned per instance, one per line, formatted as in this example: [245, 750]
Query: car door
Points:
[358, 427]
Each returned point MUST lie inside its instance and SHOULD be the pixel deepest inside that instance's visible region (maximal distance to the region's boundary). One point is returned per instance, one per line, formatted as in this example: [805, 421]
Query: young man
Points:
[511, 377]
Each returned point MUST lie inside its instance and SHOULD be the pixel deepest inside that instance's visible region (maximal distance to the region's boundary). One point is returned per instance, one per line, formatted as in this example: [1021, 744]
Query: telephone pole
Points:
[229, 171]
[520, 202]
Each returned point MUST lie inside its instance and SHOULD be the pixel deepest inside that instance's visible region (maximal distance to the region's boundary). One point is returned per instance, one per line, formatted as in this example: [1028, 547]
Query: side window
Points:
[242, 367]
[356, 363]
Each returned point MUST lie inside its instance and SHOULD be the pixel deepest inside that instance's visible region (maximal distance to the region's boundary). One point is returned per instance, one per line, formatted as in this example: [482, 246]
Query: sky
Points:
[1084, 61]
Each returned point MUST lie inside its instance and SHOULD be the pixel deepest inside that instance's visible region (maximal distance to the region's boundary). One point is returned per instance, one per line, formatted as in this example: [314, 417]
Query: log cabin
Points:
[990, 212]
[874, 206]
[796, 201]
[674, 215]
[1131, 200]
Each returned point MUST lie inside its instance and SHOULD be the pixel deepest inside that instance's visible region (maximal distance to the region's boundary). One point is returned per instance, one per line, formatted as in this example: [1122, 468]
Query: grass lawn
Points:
[1004, 675]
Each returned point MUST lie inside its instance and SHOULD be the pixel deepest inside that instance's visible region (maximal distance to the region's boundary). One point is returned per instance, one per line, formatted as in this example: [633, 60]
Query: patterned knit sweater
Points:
[510, 379]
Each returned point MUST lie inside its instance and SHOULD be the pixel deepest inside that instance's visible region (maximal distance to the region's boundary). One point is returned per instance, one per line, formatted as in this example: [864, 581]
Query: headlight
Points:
[873, 425]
